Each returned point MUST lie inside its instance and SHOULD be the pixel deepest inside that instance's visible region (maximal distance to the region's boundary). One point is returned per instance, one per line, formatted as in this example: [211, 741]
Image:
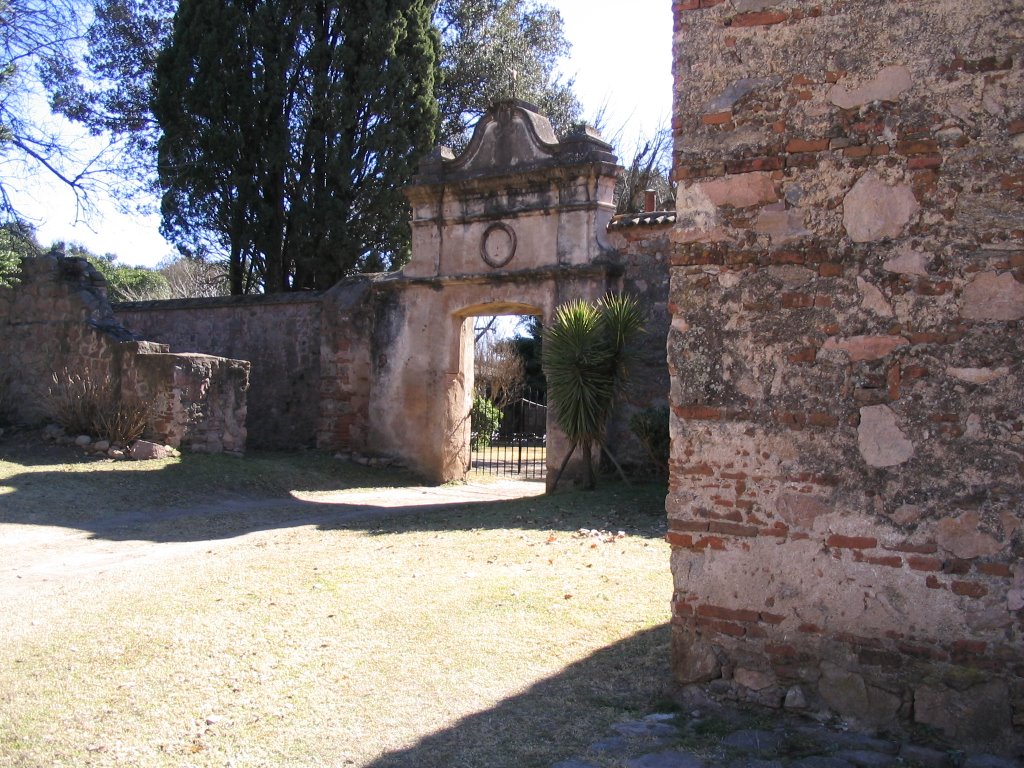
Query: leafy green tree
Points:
[494, 50]
[288, 129]
[484, 420]
[124, 283]
[17, 242]
[585, 355]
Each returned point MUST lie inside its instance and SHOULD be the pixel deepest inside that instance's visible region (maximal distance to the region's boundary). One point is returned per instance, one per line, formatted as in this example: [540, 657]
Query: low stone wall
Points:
[280, 336]
[847, 488]
[199, 401]
[57, 318]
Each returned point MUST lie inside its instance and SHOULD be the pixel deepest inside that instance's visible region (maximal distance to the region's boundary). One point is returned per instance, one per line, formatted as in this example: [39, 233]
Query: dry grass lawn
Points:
[295, 611]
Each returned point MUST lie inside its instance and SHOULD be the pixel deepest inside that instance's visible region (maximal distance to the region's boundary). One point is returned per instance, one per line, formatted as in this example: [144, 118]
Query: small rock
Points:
[795, 698]
[752, 678]
[83, 440]
[874, 210]
[143, 450]
[101, 445]
[660, 717]
[882, 443]
[116, 453]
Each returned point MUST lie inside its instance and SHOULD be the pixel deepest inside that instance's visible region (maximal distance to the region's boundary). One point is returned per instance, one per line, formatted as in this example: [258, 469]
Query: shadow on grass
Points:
[203, 497]
[555, 718]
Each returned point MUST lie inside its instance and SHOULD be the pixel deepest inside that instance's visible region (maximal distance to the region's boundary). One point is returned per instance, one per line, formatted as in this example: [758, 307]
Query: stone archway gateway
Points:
[380, 366]
[516, 224]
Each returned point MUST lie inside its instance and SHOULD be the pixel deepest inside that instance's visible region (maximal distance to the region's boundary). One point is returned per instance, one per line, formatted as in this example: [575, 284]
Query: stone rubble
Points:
[718, 737]
[140, 450]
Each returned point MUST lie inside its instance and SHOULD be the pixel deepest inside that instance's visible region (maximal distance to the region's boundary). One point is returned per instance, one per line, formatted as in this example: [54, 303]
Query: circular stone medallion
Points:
[498, 245]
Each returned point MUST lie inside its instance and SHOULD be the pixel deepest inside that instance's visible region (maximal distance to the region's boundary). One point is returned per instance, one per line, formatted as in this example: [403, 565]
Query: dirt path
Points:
[36, 560]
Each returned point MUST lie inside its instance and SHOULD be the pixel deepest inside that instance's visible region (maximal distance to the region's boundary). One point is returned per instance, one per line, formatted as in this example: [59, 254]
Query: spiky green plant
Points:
[585, 357]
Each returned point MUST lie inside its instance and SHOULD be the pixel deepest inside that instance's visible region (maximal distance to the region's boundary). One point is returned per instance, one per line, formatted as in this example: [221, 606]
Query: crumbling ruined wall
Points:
[56, 317]
[847, 299]
[278, 334]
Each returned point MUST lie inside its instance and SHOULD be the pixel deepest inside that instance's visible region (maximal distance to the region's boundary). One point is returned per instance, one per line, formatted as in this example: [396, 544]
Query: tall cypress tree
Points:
[288, 128]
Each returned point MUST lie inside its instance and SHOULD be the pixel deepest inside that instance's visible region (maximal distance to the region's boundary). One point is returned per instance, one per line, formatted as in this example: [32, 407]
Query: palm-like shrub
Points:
[585, 355]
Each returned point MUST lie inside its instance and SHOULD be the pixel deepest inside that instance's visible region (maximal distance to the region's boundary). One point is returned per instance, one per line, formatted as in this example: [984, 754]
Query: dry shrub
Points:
[87, 403]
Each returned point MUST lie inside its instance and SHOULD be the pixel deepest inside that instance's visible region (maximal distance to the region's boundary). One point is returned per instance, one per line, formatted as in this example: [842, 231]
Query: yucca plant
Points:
[585, 357]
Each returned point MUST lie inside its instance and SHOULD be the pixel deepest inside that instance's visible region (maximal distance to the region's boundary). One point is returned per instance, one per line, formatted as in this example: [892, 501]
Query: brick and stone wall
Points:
[279, 335]
[57, 317]
[847, 359]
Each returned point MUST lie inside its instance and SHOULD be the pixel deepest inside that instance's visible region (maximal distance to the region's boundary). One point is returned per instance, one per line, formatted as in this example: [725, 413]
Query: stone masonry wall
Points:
[57, 317]
[644, 250]
[350, 312]
[278, 335]
[847, 296]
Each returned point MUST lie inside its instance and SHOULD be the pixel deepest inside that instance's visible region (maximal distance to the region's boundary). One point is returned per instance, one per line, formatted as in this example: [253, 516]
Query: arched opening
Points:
[497, 411]
[508, 419]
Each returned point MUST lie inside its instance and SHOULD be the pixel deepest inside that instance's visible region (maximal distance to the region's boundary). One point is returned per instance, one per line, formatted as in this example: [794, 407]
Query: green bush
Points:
[651, 428]
[484, 420]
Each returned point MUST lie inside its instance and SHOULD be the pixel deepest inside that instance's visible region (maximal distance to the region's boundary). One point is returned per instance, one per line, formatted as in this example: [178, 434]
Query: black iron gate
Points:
[518, 447]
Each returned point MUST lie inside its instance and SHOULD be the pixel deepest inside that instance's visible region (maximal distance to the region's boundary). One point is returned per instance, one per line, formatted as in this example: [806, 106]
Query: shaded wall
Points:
[280, 337]
[847, 492]
[643, 246]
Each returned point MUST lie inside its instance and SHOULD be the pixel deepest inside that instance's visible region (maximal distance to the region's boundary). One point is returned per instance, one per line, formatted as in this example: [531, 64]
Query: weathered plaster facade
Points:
[515, 225]
[847, 295]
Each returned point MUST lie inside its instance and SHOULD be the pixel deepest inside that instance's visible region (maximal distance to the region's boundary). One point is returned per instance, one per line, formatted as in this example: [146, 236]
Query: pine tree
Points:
[288, 129]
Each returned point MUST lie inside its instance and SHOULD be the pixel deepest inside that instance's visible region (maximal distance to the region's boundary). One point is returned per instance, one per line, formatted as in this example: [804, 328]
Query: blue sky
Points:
[621, 58]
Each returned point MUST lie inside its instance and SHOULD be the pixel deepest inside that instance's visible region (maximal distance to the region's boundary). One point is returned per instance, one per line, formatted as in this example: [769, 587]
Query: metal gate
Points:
[518, 448]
